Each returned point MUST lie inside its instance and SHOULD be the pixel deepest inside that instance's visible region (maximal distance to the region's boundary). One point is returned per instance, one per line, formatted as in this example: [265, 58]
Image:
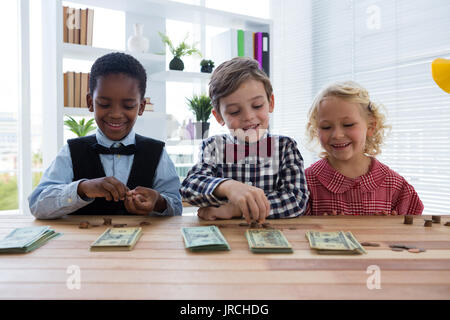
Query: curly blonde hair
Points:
[352, 92]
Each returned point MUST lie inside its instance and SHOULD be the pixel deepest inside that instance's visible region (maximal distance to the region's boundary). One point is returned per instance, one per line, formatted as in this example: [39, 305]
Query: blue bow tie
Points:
[125, 150]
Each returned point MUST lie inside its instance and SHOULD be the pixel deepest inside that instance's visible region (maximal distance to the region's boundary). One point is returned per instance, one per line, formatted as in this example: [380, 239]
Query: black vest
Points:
[87, 165]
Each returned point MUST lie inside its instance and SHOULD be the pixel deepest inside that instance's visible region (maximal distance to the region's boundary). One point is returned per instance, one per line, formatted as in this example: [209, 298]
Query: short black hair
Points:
[117, 62]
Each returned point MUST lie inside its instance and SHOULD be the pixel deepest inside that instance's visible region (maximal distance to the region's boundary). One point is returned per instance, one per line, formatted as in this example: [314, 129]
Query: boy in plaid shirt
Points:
[248, 173]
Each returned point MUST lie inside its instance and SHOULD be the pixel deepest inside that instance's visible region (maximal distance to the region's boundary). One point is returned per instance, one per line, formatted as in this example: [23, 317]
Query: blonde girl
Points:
[349, 179]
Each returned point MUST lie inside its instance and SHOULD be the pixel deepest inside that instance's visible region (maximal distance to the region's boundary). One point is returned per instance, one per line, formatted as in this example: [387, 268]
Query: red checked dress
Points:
[381, 189]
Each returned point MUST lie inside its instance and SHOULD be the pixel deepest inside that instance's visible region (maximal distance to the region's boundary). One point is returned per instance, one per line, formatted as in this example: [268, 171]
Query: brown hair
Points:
[352, 92]
[229, 75]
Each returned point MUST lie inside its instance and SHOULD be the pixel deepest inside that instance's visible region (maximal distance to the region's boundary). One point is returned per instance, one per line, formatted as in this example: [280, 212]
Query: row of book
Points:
[78, 25]
[241, 43]
[76, 87]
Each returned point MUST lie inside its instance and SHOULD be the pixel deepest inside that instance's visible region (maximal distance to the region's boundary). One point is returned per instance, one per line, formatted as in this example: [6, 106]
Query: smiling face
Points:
[116, 103]
[342, 130]
[246, 111]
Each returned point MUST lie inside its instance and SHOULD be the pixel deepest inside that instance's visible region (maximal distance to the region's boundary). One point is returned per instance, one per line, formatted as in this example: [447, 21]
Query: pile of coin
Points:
[436, 219]
[370, 244]
[401, 247]
[84, 225]
[408, 220]
[428, 223]
[256, 225]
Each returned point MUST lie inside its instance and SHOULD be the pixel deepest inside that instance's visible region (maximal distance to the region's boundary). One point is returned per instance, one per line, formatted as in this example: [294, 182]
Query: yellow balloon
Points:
[440, 69]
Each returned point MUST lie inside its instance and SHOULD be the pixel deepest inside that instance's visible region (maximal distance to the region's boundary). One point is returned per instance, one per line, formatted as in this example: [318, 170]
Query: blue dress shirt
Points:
[56, 195]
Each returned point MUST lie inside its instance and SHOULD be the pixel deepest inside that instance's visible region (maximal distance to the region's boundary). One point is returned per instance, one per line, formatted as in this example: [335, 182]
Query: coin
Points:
[266, 225]
[416, 250]
[254, 224]
[428, 223]
[396, 249]
[447, 224]
[400, 246]
[408, 220]
[243, 224]
[84, 225]
[370, 244]
[120, 225]
[436, 219]
[107, 221]
[144, 223]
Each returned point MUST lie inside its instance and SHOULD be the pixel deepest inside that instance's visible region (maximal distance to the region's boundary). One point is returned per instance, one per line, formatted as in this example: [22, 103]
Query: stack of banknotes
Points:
[267, 241]
[338, 242]
[117, 239]
[27, 239]
[208, 238]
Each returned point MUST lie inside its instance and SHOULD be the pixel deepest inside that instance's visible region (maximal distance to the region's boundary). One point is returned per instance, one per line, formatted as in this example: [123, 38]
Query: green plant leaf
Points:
[81, 128]
[201, 107]
[183, 49]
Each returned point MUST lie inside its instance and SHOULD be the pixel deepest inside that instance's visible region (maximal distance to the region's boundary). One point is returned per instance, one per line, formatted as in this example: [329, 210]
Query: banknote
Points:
[117, 239]
[267, 241]
[207, 238]
[355, 242]
[337, 242]
[27, 239]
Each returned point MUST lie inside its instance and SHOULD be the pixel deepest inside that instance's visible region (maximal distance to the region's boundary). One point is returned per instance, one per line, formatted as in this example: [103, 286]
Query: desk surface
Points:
[160, 267]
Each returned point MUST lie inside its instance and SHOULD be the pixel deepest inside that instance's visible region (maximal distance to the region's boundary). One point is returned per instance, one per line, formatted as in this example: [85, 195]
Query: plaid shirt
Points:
[381, 189]
[275, 166]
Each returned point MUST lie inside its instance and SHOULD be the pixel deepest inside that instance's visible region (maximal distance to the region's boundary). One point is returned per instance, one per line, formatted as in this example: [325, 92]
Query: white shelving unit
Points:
[153, 14]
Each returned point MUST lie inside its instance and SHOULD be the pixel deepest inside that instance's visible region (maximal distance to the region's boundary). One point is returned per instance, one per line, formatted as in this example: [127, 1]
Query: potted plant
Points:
[201, 107]
[81, 128]
[207, 66]
[183, 49]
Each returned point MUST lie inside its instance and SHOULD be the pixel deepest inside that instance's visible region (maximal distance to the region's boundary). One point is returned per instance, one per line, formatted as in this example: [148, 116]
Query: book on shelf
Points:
[90, 26]
[78, 25]
[242, 43]
[77, 91]
[265, 53]
[76, 87]
[248, 44]
[76, 30]
[70, 24]
[258, 48]
[66, 87]
[84, 89]
[65, 29]
[83, 26]
[148, 105]
[71, 89]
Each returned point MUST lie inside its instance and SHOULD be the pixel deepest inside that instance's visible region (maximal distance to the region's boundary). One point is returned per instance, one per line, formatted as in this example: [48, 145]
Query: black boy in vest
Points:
[114, 171]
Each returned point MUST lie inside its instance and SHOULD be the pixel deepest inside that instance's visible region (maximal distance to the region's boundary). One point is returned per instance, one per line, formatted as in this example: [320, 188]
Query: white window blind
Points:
[387, 46]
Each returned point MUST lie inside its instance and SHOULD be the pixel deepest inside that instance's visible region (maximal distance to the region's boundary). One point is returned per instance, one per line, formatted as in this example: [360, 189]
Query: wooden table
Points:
[160, 267]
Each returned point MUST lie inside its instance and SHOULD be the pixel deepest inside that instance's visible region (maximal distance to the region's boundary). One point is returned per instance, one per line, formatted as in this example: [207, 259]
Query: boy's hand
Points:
[227, 211]
[106, 187]
[144, 200]
[251, 201]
